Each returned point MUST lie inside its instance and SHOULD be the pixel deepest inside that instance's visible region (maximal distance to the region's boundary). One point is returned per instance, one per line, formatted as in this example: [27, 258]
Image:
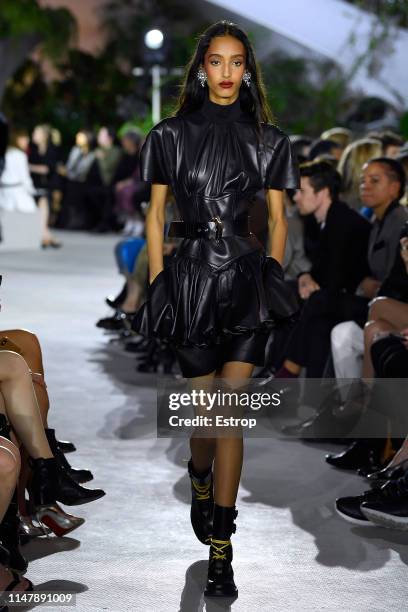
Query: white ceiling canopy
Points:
[341, 32]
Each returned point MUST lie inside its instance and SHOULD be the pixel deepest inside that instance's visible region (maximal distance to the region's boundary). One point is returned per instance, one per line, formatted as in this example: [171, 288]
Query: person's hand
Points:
[404, 251]
[404, 332]
[369, 287]
[306, 286]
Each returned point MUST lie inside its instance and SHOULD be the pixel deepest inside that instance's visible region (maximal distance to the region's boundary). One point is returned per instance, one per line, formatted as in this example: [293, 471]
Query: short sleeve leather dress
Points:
[219, 297]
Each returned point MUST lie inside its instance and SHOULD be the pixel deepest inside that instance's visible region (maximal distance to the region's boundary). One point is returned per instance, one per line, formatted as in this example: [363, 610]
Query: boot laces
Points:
[218, 548]
[202, 491]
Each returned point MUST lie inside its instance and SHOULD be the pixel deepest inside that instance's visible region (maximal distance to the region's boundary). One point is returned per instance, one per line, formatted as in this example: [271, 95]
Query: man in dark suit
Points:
[339, 264]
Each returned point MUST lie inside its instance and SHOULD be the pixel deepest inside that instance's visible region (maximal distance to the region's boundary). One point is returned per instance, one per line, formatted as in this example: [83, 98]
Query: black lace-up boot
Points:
[220, 581]
[202, 503]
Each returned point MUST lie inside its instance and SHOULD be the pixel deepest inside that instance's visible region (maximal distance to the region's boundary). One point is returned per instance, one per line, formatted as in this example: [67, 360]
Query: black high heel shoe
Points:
[116, 302]
[64, 445]
[80, 476]
[50, 483]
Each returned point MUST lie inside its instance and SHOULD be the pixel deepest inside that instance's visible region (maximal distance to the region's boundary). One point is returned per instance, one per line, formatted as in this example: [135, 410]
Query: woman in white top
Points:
[16, 187]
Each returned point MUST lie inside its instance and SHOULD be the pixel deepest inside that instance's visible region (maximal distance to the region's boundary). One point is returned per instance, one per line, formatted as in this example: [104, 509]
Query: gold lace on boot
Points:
[218, 548]
[202, 491]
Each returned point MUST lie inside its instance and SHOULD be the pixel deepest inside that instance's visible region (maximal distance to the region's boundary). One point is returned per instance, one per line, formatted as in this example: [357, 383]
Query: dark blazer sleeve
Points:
[345, 260]
[281, 167]
[155, 156]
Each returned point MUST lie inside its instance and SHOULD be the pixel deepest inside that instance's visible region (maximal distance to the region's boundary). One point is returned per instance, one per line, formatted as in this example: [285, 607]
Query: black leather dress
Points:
[218, 299]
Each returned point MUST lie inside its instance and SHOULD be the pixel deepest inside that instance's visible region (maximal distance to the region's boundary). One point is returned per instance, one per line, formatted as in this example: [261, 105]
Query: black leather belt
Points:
[213, 229]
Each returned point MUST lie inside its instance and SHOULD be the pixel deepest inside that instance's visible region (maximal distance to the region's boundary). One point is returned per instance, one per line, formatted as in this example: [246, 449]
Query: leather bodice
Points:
[215, 161]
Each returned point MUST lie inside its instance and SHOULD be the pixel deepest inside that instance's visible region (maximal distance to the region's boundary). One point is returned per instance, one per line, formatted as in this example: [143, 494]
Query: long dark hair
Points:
[253, 98]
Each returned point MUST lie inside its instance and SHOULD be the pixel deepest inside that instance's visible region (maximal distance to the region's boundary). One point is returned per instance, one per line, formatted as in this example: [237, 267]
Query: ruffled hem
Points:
[191, 303]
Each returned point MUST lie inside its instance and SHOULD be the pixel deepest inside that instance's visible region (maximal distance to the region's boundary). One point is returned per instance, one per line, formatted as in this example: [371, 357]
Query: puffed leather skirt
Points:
[220, 314]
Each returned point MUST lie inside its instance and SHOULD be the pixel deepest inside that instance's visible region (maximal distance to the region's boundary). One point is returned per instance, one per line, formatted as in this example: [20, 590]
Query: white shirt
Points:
[16, 187]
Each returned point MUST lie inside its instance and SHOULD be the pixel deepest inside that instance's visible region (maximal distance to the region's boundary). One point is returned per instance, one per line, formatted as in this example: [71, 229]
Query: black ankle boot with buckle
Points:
[202, 503]
[220, 581]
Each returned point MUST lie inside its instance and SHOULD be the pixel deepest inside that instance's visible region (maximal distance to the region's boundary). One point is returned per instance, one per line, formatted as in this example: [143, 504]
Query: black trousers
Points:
[309, 341]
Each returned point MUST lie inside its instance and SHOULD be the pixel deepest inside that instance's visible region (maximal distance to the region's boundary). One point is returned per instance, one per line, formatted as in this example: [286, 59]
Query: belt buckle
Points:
[216, 228]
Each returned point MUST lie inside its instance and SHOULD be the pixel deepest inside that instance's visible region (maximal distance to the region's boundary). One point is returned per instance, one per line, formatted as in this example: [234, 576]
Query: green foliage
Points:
[305, 97]
[396, 10]
[54, 27]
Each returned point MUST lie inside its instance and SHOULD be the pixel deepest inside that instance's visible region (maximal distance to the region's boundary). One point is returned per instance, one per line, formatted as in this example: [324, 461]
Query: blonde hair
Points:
[354, 156]
[342, 136]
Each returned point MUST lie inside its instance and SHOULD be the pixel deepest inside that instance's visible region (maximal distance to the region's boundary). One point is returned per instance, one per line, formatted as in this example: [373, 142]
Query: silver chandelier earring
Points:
[202, 77]
[247, 78]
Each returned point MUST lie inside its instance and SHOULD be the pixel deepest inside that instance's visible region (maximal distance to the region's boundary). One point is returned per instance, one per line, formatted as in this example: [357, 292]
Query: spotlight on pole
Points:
[154, 39]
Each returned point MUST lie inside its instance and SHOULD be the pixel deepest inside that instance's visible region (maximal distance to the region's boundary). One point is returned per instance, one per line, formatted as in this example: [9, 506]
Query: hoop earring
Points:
[202, 77]
[247, 78]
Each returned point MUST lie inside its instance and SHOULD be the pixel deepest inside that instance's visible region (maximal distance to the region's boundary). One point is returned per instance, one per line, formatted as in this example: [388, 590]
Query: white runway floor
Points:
[136, 551]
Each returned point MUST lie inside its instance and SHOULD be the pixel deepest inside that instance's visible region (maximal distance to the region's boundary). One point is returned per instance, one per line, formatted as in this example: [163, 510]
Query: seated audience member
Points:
[129, 190]
[76, 171]
[351, 162]
[338, 266]
[347, 337]
[342, 136]
[391, 143]
[43, 159]
[402, 158]
[16, 187]
[295, 259]
[3, 140]
[325, 148]
[101, 175]
[10, 578]
[301, 147]
[386, 503]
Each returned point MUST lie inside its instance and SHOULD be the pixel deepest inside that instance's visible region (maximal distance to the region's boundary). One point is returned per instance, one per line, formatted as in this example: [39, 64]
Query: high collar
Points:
[221, 113]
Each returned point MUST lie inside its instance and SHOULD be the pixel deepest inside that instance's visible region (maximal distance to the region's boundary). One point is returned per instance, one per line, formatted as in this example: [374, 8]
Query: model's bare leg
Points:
[202, 447]
[21, 405]
[229, 451]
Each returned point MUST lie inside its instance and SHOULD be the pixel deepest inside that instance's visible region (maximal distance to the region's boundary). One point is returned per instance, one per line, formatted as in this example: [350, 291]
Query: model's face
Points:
[377, 187]
[307, 201]
[224, 64]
